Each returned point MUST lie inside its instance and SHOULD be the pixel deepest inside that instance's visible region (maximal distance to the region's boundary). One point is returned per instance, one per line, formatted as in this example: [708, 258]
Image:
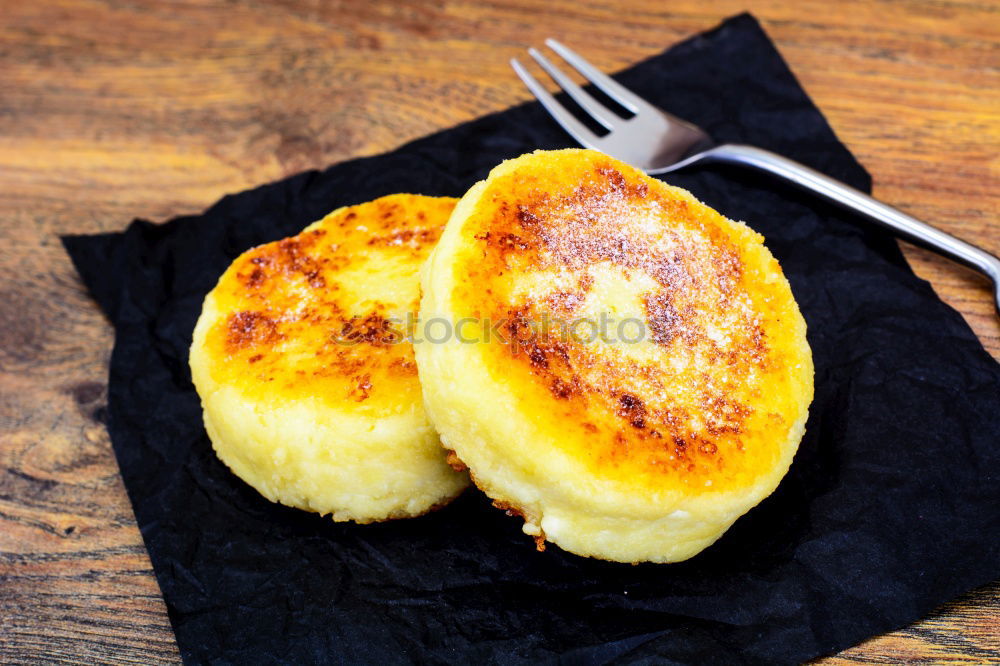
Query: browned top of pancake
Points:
[322, 315]
[722, 370]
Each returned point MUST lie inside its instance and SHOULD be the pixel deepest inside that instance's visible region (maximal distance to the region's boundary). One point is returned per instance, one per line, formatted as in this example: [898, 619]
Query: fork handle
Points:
[895, 220]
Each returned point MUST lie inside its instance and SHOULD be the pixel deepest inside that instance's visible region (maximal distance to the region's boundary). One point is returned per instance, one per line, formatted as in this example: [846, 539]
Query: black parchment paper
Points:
[891, 507]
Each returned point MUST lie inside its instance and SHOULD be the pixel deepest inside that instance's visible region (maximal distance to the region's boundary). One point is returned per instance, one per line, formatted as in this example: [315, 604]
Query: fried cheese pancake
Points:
[642, 439]
[309, 389]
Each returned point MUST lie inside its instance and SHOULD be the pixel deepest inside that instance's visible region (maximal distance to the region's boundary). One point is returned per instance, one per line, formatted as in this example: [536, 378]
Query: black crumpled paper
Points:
[891, 507]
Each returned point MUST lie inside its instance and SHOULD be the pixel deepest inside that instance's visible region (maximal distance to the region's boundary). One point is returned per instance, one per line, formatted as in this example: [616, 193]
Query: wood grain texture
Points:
[114, 109]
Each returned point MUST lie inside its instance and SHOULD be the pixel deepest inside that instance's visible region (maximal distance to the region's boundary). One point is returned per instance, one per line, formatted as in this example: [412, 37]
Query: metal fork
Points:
[659, 142]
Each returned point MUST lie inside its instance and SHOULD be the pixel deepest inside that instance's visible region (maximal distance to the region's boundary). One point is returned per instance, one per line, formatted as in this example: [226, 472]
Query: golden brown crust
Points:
[551, 248]
[298, 322]
[454, 461]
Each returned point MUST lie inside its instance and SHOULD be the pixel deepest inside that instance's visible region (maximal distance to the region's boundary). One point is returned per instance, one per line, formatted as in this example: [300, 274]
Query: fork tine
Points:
[598, 111]
[604, 83]
[576, 129]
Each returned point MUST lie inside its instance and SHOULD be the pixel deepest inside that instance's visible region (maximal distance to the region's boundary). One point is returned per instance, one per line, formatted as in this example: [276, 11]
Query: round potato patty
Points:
[632, 373]
[308, 384]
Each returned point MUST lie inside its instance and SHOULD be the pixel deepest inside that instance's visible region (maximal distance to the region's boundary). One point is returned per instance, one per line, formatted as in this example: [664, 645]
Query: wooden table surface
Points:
[115, 109]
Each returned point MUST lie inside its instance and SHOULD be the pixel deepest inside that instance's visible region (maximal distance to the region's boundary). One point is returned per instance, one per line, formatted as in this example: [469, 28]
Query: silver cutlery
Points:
[658, 142]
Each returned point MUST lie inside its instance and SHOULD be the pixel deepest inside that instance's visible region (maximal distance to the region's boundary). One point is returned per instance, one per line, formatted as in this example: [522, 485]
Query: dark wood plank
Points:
[114, 109]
